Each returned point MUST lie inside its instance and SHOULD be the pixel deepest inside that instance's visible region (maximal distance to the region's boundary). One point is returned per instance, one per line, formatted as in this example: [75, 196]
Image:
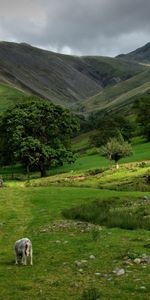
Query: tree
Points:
[109, 126]
[115, 149]
[37, 134]
[142, 108]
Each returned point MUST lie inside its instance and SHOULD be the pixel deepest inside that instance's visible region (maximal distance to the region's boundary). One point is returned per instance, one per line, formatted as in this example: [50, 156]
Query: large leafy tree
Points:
[109, 126]
[115, 149]
[37, 134]
[142, 108]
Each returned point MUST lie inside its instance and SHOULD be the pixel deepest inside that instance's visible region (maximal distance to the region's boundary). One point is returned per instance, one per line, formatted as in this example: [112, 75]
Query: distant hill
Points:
[141, 55]
[119, 97]
[62, 79]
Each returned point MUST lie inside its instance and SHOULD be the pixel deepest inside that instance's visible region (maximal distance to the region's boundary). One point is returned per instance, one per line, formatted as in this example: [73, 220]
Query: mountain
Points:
[141, 55]
[119, 97]
[66, 80]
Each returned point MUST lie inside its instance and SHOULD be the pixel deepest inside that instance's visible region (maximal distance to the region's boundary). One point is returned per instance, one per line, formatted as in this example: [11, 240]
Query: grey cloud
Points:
[106, 27]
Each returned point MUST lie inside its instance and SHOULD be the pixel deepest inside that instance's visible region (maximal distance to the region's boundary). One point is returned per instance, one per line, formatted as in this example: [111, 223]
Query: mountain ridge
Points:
[141, 54]
[72, 81]
[67, 80]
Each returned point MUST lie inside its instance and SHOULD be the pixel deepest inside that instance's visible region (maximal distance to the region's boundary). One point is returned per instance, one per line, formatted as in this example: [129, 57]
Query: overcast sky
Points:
[93, 27]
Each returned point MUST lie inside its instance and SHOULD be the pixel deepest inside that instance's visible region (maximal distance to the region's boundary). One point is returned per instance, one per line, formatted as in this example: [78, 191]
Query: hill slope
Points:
[63, 79]
[141, 54]
[121, 95]
[9, 95]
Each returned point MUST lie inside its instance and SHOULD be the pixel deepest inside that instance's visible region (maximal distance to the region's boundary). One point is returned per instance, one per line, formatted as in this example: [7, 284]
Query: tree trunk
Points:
[43, 171]
[28, 171]
[117, 165]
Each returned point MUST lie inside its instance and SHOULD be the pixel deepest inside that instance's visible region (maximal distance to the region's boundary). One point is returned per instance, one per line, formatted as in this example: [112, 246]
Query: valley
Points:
[89, 221]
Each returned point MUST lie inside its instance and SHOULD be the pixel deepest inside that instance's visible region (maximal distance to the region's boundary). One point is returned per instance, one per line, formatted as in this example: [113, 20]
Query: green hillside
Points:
[141, 55]
[9, 96]
[62, 79]
[121, 95]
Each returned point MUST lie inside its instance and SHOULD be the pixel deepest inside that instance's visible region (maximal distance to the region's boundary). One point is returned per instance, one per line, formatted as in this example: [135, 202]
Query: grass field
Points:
[55, 275]
[62, 267]
[141, 152]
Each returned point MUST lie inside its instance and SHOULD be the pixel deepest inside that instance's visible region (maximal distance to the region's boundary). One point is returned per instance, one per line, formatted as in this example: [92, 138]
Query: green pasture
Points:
[141, 151]
[30, 206]
[54, 275]
[84, 162]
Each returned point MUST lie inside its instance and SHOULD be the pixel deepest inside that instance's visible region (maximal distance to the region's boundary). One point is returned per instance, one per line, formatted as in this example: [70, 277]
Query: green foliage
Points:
[142, 108]
[113, 213]
[115, 149]
[90, 294]
[38, 134]
[109, 126]
[95, 234]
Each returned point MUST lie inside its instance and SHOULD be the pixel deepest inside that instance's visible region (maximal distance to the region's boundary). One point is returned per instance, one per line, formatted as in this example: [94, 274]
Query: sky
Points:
[79, 27]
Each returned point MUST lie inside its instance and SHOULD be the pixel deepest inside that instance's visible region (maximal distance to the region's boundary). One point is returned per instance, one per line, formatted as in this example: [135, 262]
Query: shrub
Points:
[91, 294]
[110, 213]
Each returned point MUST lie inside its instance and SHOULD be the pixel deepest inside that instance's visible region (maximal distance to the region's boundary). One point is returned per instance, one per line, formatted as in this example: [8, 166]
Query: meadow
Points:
[58, 249]
[75, 257]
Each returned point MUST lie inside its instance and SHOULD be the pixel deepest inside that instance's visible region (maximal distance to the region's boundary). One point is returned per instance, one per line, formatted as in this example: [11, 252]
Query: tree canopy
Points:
[109, 126]
[37, 134]
[142, 108]
[115, 149]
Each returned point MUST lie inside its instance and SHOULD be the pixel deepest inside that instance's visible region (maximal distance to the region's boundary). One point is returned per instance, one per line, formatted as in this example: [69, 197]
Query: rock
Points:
[83, 261]
[110, 279]
[81, 270]
[76, 285]
[65, 242]
[146, 198]
[137, 279]
[127, 262]
[119, 272]
[92, 257]
[142, 287]
[78, 263]
[98, 274]
[137, 261]
[43, 230]
[146, 260]
[58, 242]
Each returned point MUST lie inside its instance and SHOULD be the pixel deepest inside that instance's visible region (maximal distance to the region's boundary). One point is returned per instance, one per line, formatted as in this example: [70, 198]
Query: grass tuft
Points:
[123, 214]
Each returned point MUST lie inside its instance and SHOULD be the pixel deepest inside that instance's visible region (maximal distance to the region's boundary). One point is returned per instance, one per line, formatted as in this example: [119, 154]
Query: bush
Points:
[91, 294]
[92, 151]
[110, 213]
